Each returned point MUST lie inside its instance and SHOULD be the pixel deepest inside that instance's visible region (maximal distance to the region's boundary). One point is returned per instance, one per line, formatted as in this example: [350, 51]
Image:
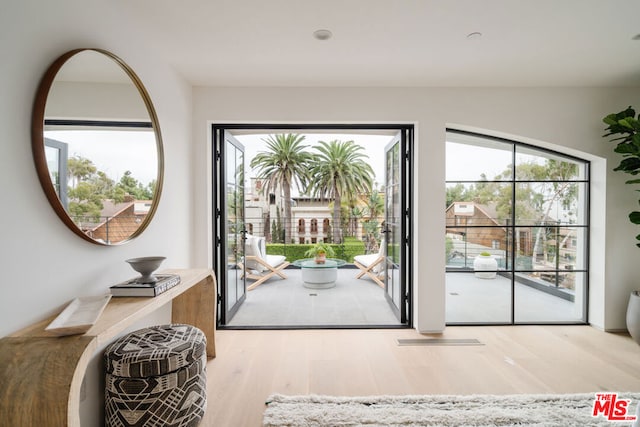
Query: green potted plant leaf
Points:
[624, 128]
[320, 251]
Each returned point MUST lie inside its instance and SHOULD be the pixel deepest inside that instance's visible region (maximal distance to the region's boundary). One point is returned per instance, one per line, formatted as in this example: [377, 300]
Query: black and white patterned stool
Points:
[156, 377]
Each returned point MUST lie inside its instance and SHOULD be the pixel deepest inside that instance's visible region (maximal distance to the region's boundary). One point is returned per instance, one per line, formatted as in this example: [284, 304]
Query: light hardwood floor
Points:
[251, 365]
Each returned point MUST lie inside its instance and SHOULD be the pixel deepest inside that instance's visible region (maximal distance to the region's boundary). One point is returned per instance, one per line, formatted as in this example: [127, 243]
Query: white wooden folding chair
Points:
[258, 265]
[372, 265]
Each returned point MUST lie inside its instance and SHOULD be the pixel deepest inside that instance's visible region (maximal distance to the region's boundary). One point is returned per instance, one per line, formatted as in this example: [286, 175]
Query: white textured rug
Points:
[550, 410]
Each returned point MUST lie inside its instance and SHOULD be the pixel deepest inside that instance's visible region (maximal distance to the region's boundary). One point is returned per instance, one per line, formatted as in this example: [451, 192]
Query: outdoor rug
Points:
[541, 410]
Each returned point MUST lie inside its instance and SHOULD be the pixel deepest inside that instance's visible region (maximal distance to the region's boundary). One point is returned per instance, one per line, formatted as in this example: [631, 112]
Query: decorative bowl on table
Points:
[146, 266]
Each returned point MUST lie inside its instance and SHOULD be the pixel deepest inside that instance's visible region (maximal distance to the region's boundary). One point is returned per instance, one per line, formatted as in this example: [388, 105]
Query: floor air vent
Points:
[439, 341]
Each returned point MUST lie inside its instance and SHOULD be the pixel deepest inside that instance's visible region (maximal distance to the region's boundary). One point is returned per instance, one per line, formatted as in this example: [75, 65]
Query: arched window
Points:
[518, 205]
[301, 226]
[314, 226]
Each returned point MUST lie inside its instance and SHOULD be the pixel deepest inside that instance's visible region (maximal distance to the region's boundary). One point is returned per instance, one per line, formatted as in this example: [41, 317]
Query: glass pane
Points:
[545, 243]
[473, 158]
[53, 162]
[477, 240]
[234, 223]
[392, 218]
[484, 203]
[232, 286]
[232, 243]
[231, 164]
[537, 248]
[396, 164]
[394, 283]
[540, 301]
[574, 249]
[471, 299]
[461, 250]
[239, 170]
[536, 165]
[397, 204]
[392, 192]
[551, 202]
[240, 211]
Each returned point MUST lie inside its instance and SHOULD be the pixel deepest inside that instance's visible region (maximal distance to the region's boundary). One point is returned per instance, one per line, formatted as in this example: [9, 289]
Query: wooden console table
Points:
[41, 375]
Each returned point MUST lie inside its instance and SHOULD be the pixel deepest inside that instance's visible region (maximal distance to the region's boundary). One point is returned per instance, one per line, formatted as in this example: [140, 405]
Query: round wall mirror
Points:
[97, 146]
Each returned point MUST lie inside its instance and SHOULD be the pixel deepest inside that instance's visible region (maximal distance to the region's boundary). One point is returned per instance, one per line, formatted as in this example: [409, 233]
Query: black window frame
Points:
[513, 226]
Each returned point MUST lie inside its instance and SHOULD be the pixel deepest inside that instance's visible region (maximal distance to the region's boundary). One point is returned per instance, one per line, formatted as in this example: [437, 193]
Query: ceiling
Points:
[394, 42]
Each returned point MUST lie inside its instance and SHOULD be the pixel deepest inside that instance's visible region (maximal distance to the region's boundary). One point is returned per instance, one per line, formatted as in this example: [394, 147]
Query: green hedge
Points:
[346, 251]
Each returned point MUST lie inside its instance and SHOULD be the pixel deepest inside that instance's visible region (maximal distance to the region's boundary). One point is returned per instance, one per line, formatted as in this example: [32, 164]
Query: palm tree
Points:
[339, 171]
[284, 164]
[374, 205]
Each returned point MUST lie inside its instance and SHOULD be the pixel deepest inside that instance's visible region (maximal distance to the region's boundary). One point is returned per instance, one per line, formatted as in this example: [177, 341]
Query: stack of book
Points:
[131, 288]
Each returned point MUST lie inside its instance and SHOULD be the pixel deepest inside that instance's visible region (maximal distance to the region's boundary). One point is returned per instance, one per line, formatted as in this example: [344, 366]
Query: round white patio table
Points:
[319, 276]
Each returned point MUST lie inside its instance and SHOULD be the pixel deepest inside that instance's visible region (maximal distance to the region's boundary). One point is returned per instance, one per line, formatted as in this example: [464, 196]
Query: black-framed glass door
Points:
[230, 219]
[396, 226]
[263, 220]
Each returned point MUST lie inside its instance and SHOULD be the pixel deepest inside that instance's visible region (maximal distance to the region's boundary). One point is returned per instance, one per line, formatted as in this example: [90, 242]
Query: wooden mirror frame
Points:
[38, 143]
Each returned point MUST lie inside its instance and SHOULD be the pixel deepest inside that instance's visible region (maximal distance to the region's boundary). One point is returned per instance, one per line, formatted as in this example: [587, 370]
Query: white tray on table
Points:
[79, 316]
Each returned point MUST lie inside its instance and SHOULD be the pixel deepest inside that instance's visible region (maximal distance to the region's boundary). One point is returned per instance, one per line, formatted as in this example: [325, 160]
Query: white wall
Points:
[551, 117]
[43, 264]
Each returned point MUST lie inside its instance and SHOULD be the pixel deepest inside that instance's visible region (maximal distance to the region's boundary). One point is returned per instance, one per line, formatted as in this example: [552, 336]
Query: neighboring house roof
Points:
[489, 210]
[486, 211]
[111, 210]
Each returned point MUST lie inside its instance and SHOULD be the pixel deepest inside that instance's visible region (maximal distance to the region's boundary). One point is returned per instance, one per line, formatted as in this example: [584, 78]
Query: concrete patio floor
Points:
[360, 302]
[474, 300]
[352, 302]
